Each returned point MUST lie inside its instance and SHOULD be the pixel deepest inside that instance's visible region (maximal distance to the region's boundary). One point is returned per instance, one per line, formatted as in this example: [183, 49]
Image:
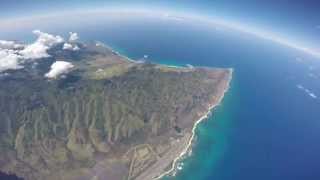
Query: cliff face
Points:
[51, 128]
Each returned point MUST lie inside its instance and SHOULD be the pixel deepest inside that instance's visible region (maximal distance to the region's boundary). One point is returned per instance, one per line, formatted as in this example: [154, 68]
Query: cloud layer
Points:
[73, 36]
[68, 46]
[10, 45]
[39, 48]
[13, 55]
[58, 68]
[9, 60]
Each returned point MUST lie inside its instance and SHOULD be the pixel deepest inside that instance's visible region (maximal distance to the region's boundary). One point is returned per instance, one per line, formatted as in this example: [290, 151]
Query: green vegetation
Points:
[52, 127]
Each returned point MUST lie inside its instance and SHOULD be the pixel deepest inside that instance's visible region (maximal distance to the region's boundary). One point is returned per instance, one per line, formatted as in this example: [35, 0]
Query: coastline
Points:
[205, 116]
[98, 43]
[211, 106]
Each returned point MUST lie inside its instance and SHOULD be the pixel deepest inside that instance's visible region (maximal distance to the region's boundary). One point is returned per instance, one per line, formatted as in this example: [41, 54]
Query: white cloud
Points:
[13, 55]
[307, 91]
[68, 46]
[73, 36]
[10, 45]
[58, 68]
[76, 48]
[9, 60]
[39, 48]
[313, 95]
[35, 51]
[48, 39]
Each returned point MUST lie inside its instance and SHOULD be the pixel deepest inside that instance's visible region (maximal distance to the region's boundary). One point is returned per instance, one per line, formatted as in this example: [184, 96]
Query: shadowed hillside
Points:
[87, 122]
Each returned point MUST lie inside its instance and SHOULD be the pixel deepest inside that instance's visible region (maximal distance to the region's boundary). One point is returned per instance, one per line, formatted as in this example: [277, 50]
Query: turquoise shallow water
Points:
[211, 141]
[266, 127]
[264, 124]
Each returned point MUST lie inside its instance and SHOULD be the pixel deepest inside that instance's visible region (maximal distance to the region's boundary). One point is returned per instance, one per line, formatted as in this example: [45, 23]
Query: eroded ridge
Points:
[108, 118]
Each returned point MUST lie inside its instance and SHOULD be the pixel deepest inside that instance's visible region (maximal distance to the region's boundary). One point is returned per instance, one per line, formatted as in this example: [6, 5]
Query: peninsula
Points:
[91, 113]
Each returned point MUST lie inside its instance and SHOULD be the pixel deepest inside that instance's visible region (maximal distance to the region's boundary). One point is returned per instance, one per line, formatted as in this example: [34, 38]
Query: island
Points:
[106, 117]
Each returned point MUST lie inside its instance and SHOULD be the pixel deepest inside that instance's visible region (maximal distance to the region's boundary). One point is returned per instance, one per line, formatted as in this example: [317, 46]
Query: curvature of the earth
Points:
[261, 127]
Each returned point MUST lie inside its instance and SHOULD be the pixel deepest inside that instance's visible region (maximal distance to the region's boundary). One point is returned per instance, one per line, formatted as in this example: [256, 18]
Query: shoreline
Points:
[98, 43]
[203, 117]
[190, 142]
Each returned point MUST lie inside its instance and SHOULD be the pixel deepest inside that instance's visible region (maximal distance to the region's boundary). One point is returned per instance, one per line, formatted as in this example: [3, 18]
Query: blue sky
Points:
[297, 19]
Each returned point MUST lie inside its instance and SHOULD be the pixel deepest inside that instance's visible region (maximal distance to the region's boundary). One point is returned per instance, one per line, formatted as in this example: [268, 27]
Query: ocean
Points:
[267, 126]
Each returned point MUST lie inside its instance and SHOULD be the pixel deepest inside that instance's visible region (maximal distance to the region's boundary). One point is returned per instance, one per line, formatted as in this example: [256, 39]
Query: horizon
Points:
[244, 27]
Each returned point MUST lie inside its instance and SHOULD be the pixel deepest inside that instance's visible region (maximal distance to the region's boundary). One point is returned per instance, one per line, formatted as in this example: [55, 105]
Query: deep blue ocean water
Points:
[267, 126]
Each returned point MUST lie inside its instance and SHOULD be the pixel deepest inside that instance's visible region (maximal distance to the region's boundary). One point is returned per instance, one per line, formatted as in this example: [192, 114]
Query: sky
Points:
[297, 20]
